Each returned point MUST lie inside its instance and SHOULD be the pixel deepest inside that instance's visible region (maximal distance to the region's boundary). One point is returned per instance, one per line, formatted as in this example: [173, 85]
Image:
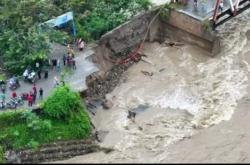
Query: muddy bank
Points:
[99, 86]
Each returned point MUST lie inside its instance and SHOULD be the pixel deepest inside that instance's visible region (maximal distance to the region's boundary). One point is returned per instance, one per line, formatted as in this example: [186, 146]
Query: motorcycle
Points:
[12, 104]
[14, 83]
[30, 76]
[2, 105]
[19, 100]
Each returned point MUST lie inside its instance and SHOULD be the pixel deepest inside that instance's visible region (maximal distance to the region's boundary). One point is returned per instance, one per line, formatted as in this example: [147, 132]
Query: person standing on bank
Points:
[41, 93]
[64, 60]
[39, 73]
[46, 73]
[58, 66]
[34, 88]
[74, 64]
[195, 4]
[30, 100]
[221, 6]
[37, 65]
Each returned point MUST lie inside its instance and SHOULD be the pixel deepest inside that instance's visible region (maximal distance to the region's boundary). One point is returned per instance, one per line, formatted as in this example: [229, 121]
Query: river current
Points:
[185, 91]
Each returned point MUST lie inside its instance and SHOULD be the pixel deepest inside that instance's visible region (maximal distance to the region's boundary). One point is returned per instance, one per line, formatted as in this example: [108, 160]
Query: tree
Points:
[21, 41]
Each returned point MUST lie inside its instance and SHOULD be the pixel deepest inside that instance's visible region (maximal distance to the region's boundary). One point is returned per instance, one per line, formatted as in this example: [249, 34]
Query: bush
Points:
[65, 106]
[62, 104]
[82, 32]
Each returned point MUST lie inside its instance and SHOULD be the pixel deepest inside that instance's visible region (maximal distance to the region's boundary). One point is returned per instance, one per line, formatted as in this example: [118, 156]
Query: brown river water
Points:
[187, 91]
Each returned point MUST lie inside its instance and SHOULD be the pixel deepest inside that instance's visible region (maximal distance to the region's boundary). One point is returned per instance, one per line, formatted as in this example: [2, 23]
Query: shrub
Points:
[34, 123]
[65, 105]
[207, 26]
[62, 104]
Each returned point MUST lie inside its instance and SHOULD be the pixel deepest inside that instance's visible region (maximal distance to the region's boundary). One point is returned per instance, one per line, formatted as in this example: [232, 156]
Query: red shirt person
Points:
[34, 88]
[14, 94]
[30, 99]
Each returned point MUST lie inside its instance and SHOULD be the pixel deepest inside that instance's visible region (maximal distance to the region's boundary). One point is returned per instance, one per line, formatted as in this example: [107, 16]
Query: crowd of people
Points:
[67, 58]
[54, 64]
[29, 97]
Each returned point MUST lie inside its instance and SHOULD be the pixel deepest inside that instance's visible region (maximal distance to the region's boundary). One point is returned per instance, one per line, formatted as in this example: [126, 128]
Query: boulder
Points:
[107, 104]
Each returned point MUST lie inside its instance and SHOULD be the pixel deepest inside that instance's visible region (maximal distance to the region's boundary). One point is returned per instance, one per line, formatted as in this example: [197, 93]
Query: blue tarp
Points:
[62, 20]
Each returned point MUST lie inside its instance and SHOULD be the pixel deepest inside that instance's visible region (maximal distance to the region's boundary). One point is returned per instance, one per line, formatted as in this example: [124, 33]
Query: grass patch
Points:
[166, 9]
[3, 77]
[24, 129]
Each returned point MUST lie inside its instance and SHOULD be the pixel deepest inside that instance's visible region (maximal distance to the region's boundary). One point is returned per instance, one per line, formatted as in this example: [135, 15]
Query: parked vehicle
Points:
[30, 75]
[19, 100]
[2, 105]
[14, 83]
[12, 104]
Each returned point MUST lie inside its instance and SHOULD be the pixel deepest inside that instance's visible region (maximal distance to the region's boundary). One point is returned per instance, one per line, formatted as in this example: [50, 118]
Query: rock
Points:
[107, 104]
[12, 158]
[140, 128]
[107, 150]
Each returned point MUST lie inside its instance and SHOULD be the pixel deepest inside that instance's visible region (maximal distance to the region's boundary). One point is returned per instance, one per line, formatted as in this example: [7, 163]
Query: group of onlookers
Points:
[68, 60]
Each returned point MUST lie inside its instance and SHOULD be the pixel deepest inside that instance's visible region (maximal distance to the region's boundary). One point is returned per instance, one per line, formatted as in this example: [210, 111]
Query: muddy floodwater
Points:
[176, 92]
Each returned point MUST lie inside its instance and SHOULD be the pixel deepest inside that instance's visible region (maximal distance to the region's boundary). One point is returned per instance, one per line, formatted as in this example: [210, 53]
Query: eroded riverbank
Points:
[183, 92]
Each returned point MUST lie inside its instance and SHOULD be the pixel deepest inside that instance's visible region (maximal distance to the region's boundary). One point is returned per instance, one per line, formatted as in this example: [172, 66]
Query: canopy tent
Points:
[62, 20]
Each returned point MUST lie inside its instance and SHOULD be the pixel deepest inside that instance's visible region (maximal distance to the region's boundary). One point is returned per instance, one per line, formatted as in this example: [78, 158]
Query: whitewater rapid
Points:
[188, 90]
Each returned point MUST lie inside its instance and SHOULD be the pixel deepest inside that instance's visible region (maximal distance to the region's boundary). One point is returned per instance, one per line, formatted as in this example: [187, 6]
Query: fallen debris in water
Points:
[107, 150]
[131, 114]
[161, 70]
[146, 73]
[171, 43]
[146, 60]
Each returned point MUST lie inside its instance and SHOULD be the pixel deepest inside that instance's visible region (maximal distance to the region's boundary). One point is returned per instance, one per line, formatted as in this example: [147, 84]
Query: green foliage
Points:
[22, 41]
[166, 9]
[106, 15]
[82, 33]
[35, 124]
[33, 144]
[1, 155]
[62, 104]
[207, 26]
[66, 120]
[3, 77]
